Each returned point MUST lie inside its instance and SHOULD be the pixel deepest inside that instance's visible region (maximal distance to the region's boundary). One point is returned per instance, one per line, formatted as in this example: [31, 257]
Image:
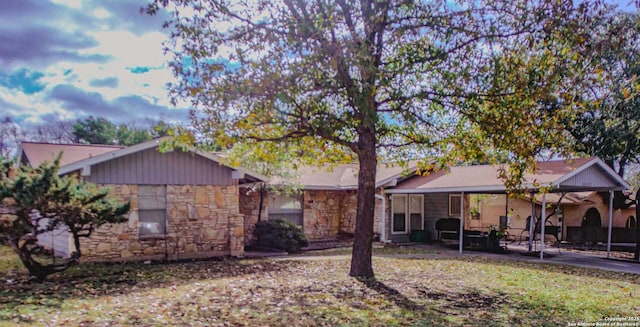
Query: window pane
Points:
[399, 220]
[151, 197]
[152, 222]
[454, 205]
[295, 218]
[282, 202]
[399, 204]
[415, 204]
[399, 213]
[286, 207]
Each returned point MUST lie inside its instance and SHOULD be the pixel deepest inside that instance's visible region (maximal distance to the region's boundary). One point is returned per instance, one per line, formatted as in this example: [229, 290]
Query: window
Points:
[286, 207]
[399, 203]
[455, 210]
[152, 210]
[407, 213]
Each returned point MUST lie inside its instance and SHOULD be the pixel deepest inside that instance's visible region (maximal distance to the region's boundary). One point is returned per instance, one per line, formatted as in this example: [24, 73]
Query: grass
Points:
[429, 289]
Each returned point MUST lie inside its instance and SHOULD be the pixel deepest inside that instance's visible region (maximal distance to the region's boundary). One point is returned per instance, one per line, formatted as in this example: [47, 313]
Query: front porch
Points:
[441, 206]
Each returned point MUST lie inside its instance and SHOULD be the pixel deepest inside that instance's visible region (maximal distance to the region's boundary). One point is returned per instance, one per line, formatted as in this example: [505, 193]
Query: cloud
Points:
[111, 82]
[121, 110]
[40, 46]
[24, 80]
[127, 15]
[73, 58]
[78, 100]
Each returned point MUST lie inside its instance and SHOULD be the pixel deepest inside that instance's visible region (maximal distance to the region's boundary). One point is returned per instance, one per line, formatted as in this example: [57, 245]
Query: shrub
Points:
[280, 234]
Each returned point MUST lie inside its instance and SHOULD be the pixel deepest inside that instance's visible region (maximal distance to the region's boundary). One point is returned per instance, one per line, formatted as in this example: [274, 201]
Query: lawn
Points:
[430, 290]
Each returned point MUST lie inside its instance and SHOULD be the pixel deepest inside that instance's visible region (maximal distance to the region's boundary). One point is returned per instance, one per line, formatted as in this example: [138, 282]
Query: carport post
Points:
[610, 223]
[532, 221]
[461, 237]
[543, 214]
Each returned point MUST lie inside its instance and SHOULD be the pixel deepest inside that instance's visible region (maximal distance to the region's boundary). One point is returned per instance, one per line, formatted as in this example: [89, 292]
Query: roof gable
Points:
[80, 157]
[573, 175]
[35, 153]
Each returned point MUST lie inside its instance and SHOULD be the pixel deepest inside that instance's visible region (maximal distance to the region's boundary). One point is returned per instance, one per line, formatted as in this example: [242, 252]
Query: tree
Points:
[102, 131]
[610, 127]
[8, 137]
[97, 130]
[38, 201]
[329, 81]
[56, 131]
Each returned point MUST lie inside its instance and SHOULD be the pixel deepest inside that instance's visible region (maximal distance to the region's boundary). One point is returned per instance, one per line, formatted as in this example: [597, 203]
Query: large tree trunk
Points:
[361, 259]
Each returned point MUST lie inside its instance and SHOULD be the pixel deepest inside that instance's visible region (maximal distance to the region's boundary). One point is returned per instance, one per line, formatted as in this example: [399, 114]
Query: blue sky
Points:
[69, 59]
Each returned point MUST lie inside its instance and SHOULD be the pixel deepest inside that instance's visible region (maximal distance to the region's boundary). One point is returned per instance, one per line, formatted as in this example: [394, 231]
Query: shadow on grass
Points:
[110, 279]
[391, 294]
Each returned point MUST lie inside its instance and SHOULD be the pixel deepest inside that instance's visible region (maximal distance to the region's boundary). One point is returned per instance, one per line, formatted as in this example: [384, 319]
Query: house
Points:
[325, 202]
[193, 205]
[407, 203]
[183, 204]
[423, 200]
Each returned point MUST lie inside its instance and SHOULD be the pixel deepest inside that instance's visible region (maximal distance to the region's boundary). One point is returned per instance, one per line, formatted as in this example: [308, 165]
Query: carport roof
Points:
[573, 175]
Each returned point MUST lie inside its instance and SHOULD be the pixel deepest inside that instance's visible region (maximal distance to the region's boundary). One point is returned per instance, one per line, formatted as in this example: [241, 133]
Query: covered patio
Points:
[551, 180]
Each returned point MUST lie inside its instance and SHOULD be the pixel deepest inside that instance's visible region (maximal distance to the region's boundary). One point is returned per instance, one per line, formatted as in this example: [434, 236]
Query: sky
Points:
[70, 59]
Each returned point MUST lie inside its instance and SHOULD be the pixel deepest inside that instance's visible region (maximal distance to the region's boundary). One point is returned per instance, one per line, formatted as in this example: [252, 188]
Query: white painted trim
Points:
[543, 216]
[406, 221]
[86, 171]
[393, 180]
[458, 189]
[383, 229]
[594, 161]
[609, 228]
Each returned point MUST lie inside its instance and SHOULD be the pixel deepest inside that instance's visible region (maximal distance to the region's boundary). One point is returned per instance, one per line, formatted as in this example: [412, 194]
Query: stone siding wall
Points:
[325, 213]
[249, 207]
[350, 205]
[203, 221]
[321, 214]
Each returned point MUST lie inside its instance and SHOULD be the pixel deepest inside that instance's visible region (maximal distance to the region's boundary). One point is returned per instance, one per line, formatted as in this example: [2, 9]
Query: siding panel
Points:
[436, 206]
[151, 167]
[591, 176]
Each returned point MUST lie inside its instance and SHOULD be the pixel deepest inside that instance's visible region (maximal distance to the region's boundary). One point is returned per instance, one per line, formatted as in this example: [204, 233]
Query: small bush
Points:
[280, 234]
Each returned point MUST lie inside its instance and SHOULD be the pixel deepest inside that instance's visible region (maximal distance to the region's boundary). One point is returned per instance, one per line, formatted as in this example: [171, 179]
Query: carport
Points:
[559, 176]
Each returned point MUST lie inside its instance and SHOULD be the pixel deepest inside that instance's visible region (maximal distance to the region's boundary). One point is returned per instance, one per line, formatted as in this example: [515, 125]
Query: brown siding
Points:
[152, 167]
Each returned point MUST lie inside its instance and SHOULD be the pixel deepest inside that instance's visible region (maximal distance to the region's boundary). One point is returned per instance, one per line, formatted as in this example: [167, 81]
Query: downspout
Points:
[383, 234]
[261, 202]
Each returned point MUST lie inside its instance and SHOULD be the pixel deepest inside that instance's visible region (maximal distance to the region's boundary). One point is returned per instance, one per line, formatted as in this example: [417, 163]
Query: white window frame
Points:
[457, 200]
[407, 213]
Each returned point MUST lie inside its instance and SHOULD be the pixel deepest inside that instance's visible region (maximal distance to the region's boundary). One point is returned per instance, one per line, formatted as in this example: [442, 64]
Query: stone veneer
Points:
[203, 221]
[326, 213]
[249, 207]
